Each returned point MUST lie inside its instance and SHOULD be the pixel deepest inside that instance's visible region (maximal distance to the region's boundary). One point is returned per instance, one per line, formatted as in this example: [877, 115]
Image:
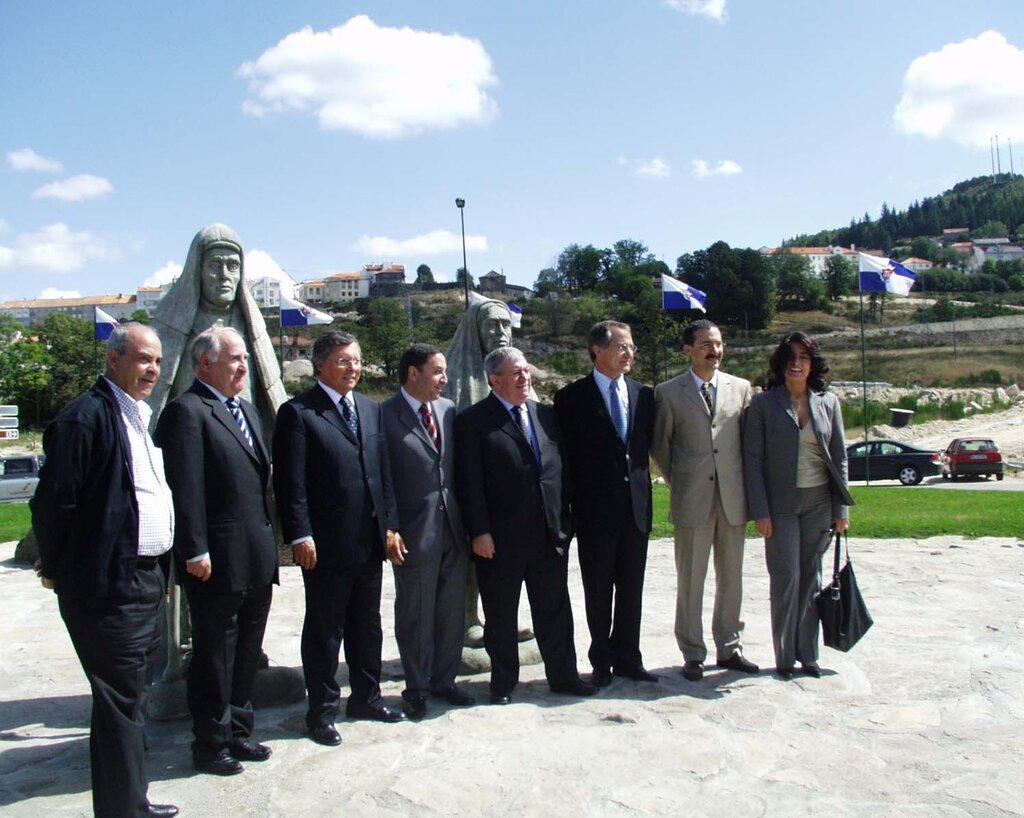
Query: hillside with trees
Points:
[986, 207]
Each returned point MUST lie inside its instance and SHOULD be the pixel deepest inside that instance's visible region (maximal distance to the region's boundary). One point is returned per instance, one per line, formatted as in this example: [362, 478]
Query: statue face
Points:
[221, 272]
[495, 327]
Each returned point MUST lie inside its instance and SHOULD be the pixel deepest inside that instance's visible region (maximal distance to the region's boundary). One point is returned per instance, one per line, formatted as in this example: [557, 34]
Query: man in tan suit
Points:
[698, 448]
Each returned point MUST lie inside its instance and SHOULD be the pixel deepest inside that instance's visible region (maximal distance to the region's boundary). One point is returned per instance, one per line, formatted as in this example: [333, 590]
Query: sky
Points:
[330, 135]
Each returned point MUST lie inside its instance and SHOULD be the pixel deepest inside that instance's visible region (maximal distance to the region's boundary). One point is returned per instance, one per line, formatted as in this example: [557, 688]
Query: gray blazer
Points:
[424, 479]
[771, 445]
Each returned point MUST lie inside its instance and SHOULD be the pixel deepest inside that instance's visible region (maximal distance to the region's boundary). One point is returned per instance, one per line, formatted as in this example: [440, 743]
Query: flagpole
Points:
[864, 386]
[664, 333]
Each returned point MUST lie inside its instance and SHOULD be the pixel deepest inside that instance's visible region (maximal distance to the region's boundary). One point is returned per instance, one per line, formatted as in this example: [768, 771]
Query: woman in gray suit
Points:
[794, 468]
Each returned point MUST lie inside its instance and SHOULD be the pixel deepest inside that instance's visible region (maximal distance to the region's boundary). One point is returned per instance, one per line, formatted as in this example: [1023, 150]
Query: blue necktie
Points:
[235, 408]
[615, 407]
[519, 413]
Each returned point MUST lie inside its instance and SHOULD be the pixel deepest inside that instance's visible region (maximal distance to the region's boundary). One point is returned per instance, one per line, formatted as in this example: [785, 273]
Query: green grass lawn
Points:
[897, 512]
[15, 521]
[889, 512]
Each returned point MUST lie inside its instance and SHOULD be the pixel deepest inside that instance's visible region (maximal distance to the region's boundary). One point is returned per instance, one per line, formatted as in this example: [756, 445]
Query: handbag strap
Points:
[836, 583]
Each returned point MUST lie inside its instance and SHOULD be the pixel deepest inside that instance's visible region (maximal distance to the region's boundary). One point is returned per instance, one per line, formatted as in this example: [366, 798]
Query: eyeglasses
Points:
[631, 348]
[348, 363]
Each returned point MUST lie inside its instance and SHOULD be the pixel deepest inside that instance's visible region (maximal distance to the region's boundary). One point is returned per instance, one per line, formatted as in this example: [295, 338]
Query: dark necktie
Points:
[235, 408]
[428, 423]
[705, 392]
[348, 412]
[615, 407]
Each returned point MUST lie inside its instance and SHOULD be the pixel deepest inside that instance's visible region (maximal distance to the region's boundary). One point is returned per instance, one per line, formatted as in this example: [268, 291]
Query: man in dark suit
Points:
[218, 467]
[511, 486]
[606, 420]
[430, 570]
[332, 482]
[104, 520]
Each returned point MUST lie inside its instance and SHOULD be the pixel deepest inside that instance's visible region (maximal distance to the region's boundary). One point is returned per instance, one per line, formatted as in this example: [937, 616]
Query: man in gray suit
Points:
[697, 445]
[430, 560]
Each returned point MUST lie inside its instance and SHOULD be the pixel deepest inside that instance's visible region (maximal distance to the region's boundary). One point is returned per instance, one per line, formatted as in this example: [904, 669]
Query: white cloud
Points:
[28, 159]
[165, 275]
[656, 167]
[725, 167]
[54, 248]
[715, 9]
[375, 81]
[966, 92]
[427, 244]
[74, 189]
[53, 292]
[259, 263]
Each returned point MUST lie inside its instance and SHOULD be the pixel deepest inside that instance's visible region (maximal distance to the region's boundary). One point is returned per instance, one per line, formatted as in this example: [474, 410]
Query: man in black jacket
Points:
[104, 521]
[606, 419]
[332, 484]
[511, 488]
[218, 467]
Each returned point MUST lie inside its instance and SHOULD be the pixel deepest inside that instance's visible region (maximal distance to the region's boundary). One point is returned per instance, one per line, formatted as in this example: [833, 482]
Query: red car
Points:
[972, 456]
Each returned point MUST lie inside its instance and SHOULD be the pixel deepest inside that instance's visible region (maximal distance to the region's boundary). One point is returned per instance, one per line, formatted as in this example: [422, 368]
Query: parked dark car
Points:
[978, 456]
[891, 460]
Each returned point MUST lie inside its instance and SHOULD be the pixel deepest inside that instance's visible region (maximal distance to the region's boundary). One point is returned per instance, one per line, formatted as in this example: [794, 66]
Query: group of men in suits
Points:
[508, 483]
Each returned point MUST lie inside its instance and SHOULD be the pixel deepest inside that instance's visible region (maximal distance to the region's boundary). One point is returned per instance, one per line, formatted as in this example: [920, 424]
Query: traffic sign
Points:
[7, 410]
[8, 422]
[8, 434]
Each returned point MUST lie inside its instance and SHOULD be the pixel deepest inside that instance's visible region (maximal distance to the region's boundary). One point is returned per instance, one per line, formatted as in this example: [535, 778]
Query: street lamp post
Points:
[461, 204]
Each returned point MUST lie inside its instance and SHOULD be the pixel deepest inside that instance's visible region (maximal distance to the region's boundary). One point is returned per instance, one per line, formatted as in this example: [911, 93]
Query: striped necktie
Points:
[235, 408]
[428, 423]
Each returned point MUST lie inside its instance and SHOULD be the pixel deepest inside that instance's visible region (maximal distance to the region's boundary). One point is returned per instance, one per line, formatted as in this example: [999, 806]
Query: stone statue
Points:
[211, 288]
[485, 326]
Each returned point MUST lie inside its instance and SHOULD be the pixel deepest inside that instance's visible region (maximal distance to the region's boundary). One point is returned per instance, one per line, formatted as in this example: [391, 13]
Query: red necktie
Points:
[428, 423]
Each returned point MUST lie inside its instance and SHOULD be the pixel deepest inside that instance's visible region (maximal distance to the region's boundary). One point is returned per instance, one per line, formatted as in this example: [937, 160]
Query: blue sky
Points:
[333, 134]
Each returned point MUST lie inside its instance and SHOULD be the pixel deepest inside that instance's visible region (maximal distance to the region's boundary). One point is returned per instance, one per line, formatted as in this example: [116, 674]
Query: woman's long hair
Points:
[783, 354]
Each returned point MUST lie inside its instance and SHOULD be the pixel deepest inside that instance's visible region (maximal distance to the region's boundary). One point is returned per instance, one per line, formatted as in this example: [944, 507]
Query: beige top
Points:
[811, 469]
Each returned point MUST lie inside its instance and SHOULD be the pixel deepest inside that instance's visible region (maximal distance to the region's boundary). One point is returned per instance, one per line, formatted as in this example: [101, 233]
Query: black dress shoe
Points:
[738, 662]
[220, 764]
[161, 810]
[245, 749]
[784, 673]
[637, 674]
[693, 671]
[326, 735]
[501, 698]
[375, 712]
[812, 670]
[453, 694]
[601, 678]
[415, 707]
[578, 687]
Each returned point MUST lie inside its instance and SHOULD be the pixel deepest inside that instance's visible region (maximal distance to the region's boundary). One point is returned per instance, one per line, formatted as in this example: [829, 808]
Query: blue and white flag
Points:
[296, 314]
[517, 315]
[675, 295]
[884, 275]
[103, 324]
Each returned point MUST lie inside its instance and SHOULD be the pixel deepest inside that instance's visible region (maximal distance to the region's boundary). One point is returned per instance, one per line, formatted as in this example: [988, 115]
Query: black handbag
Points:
[844, 616]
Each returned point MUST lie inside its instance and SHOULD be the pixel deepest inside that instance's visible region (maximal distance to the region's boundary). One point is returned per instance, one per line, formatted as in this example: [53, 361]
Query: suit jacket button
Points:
[712, 478]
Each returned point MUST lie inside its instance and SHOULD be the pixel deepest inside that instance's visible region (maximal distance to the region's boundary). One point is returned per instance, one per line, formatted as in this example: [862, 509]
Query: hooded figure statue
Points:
[484, 327]
[213, 287]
